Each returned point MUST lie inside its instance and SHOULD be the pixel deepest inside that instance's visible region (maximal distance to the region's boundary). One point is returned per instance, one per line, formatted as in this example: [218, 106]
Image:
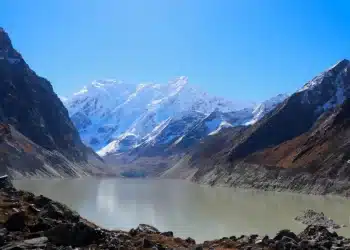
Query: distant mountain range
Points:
[115, 117]
[297, 142]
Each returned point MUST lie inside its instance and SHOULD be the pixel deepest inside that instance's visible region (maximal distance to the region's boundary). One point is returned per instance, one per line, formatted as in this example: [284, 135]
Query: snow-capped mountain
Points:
[127, 115]
[299, 112]
[329, 89]
[263, 108]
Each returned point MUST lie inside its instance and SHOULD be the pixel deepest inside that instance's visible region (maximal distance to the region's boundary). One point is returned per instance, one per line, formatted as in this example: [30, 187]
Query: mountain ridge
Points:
[134, 112]
[313, 158]
[38, 131]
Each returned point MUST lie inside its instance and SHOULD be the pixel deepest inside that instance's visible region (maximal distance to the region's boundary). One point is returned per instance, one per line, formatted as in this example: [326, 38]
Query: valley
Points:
[186, 134]
[172, 156]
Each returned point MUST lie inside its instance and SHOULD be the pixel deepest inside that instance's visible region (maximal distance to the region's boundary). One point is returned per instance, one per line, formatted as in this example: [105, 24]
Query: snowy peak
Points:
[338, 68]
[265, 107]
[340, 65]
[329, 89]
[179, 83]
[105, 111]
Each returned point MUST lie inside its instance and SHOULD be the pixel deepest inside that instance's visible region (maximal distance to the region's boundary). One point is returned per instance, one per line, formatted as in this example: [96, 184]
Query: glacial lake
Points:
[187, 209]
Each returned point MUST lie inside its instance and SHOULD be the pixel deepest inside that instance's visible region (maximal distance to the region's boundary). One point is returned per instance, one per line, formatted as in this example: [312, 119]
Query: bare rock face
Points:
[37, 137]
[28, 102]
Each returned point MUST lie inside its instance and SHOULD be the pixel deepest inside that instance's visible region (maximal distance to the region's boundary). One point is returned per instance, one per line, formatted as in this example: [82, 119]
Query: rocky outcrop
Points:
[30, 105]
[311, 217]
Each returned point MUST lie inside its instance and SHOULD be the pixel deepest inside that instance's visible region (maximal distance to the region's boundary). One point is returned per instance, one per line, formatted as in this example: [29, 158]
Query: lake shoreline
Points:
[30, 221]
[186, 208]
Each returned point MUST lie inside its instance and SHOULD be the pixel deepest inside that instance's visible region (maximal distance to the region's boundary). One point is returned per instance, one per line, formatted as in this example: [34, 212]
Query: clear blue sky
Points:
[240, 49]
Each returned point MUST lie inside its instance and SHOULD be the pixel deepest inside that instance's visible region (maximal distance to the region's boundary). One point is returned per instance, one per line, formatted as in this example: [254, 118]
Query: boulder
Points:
[5, 182]
[41, 201]
[36, 243]
[311, 217]
[320, 232]
[147, 243]
[133, 232]
[168, 234]
[57, 211]
[286, 233]
[76, 234]
[42, 224]
[144, 228]
[16, 222]
[262, 241]
[191, 241]
[3, 233]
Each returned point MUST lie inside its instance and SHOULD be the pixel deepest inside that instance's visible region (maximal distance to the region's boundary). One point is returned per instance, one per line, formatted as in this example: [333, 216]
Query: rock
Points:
[114, 242]
[290, 245]
[59, 212]
[304, 244]
[243, 239]
[280, 245]
[262, 241]
[144, 228]
[5, 182]
[311, 217]
[147, 243]
[252, 238]
[321, 232]
[327, 244]
[3, 233]
[133, 232]
[234, 238]
[37, 243]
[191, 241]
[42, 224]
[168, 234]
[34, 209]
[52, 211]
[123, 236]
[76, 234]
[16, 222]
[288, 239]
[41, 201]
[287, 233]
[198, 248]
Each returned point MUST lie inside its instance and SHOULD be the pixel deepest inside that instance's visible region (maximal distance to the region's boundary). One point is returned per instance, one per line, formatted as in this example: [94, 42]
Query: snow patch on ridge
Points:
[222, 125]
[148, 113]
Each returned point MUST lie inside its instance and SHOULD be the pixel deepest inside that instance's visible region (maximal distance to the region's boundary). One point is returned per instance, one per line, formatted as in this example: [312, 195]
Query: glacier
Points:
[113, 116]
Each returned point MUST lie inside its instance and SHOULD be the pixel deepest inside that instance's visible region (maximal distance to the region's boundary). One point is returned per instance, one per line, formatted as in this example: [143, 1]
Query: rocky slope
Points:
[37, 125]
[36, 222]
[307, 152]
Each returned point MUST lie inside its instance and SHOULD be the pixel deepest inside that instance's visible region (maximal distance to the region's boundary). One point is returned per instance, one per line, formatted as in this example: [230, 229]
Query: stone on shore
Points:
[311, 217]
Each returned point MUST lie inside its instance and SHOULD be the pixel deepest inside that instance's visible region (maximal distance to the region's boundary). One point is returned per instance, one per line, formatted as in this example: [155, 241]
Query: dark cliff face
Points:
[28, 103]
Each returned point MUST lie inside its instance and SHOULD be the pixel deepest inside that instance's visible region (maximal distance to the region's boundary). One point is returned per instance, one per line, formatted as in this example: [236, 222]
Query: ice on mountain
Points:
[145, 110]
